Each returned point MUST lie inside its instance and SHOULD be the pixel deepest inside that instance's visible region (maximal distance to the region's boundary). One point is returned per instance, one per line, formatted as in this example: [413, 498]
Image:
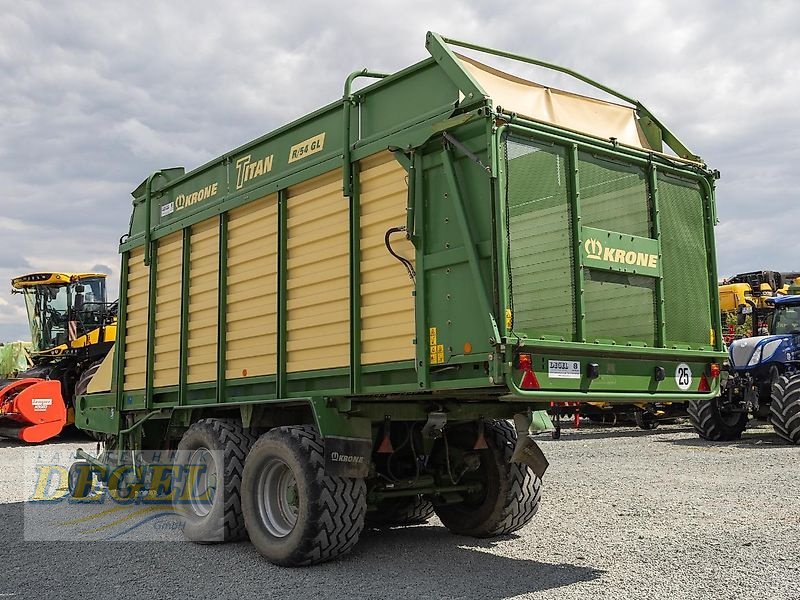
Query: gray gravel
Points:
[626, 514]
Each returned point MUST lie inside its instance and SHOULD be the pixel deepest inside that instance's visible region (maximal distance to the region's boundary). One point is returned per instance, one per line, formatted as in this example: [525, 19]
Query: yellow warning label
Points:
[437, 350]
[437, 354]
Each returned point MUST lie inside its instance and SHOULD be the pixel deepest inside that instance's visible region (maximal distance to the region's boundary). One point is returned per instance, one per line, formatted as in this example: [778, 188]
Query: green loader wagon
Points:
[341, 320]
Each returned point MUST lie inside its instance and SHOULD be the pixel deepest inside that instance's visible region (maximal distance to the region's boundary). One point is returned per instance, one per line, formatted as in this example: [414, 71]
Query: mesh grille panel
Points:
[613, 196]
[541, 240]
[687, 304]
[619, 307]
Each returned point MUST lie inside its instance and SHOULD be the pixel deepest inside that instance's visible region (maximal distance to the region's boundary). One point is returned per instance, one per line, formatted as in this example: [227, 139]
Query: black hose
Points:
[406, 263]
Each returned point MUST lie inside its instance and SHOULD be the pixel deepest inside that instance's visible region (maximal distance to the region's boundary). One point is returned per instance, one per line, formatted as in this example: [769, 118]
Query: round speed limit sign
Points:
[683, 376]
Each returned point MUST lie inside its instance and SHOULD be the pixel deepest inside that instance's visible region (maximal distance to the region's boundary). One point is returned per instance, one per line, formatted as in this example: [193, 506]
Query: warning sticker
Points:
[436, 356]
[683, 376]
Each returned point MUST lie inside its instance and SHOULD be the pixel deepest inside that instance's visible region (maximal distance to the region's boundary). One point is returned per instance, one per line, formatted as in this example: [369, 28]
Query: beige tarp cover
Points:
[564, 109]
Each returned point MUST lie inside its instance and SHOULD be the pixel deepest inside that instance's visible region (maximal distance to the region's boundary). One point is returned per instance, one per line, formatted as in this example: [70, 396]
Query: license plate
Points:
[564, 369]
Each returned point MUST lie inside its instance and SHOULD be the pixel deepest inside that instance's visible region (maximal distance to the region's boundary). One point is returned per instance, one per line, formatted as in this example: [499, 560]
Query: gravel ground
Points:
[626, 514]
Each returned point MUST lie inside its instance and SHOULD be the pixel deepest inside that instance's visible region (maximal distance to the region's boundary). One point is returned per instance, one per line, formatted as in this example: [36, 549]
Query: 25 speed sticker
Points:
[683, 376]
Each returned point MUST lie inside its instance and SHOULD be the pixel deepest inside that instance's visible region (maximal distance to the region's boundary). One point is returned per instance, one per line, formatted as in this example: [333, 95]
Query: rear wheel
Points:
[213, 452]
[297, 514]
[715, 421]
[784, 408]
[414, 510]
[80, 479]
[510, 495]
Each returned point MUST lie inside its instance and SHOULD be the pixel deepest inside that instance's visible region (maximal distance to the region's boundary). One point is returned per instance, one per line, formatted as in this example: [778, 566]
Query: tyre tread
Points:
[704, 416]
[235, 442]
[519, 495]
[785, 408]
[416, 510]
[340, 502]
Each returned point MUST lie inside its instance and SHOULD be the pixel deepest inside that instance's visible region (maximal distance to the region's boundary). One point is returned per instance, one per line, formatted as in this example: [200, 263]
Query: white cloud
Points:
[98, 95]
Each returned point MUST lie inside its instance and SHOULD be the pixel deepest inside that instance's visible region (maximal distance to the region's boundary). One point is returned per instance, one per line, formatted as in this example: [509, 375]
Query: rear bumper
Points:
[517, 394]
[615, 375]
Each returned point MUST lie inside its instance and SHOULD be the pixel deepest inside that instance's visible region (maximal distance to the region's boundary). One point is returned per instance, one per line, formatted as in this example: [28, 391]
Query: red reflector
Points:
[386, 445]
[714, 370]
[703, 387]
[480, 443]
[529, 381]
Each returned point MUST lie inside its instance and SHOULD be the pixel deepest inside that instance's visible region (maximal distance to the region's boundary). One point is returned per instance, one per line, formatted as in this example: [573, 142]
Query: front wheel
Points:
[784, 408]
[212, 453]
[715, 421]
[510, 494]
[296, 514]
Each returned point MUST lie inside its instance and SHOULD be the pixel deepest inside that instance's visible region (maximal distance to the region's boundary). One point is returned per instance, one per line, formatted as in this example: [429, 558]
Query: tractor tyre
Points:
[510, 495]
[414, 510]
[80, 389]
[645, 419]
[297, 514]
[212, 452]
[713, 422]
[784, 408]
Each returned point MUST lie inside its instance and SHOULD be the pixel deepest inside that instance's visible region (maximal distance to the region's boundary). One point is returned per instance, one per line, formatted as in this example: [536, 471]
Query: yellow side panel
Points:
[318, 282]
[203, 301]
[387, 306]
[252, 302]
[166, 366]
[136, 322]
[101, 381]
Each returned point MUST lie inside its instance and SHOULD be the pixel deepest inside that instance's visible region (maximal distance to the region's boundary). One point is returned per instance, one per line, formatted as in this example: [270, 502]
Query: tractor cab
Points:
[780, 348]
[62, 307]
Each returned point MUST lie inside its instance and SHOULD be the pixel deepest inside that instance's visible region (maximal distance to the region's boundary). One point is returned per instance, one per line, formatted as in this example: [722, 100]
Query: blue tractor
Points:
[763, 380]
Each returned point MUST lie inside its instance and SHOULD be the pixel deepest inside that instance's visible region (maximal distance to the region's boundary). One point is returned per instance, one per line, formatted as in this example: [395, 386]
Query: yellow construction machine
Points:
[73, 329]
[743, 301]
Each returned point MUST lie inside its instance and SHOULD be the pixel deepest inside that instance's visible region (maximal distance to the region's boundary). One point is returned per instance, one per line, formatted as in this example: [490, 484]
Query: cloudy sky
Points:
[94, 96]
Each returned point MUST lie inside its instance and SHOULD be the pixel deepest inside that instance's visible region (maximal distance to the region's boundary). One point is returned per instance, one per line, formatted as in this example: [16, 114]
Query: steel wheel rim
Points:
[201, 498]
[278, 498]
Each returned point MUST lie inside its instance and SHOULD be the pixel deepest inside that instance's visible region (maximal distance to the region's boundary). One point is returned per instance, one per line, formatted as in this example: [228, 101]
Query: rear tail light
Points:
[715, 369]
